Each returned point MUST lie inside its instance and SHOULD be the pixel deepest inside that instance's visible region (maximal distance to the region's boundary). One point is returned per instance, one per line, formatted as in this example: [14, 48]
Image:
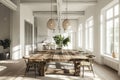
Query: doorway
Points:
[28, 38]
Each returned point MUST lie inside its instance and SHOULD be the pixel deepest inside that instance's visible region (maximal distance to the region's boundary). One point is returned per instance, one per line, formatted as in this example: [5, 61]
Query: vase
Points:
[59, 46]
[113, 54]
[59, 49]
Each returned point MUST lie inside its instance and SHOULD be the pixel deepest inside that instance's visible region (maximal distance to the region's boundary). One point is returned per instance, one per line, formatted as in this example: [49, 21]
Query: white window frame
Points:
[104, 26]
[89, 44]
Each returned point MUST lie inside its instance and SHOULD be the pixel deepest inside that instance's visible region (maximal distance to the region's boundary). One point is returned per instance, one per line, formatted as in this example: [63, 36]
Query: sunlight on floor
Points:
[2, 68]
[55, 74]
[9, 61]
[88, 76]
[51, 77]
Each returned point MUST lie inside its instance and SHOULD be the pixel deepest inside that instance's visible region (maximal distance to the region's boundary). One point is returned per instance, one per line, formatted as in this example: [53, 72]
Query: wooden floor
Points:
[14, 70]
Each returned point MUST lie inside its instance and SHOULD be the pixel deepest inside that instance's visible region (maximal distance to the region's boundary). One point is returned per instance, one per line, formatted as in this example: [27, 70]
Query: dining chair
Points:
[87, 63]
[31, 65]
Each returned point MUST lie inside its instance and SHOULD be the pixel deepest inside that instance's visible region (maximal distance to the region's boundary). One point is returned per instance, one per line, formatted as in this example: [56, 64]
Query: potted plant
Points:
[5, 43]
[61, 41]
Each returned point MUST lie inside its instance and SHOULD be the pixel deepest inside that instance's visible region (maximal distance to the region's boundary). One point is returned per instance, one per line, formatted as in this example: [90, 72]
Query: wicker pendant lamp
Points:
[66, 22]
[51, 22]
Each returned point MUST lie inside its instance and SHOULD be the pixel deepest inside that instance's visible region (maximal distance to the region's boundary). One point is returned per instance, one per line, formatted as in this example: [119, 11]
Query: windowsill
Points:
[111, 58]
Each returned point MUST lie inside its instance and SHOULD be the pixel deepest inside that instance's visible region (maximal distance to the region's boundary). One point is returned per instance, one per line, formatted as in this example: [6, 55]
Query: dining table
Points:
[47, 56]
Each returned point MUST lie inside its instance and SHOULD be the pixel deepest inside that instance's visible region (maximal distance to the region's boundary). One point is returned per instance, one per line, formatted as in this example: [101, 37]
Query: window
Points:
[89, 34]
[80, 36]
[111, 28]
[71, 41]
[70, 44]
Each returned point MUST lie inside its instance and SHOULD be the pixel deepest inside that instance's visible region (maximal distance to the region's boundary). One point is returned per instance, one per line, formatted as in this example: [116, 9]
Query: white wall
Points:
[17, 27]
[4, 22]
[42, 31]
[26, 14]
[15, 31]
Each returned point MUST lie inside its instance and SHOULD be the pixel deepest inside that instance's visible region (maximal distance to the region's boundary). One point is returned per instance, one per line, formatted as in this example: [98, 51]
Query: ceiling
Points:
[76, 8]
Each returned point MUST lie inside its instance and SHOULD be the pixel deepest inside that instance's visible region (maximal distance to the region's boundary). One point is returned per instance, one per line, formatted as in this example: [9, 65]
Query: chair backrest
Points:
[91, 58]
[26, 59]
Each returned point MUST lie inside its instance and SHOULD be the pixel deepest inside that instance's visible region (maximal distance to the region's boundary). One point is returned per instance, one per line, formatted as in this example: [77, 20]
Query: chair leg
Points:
[92, 70]
[80, 70]
[46, 67]
[35, 69]
[27, 69]
[83, 71]
[89, 68]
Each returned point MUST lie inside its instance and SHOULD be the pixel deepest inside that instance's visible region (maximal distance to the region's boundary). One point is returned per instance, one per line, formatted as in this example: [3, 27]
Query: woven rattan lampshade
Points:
[66, 24]
[51, 24]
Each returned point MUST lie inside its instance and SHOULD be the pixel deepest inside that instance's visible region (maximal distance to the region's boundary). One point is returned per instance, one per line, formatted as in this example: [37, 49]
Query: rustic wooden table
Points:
[58, 56]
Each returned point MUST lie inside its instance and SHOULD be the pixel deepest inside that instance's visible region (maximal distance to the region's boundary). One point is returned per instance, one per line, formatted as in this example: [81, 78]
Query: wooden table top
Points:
[57, 55]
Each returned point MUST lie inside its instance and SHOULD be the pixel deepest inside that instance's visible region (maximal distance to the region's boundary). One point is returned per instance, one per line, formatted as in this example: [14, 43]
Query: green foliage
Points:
[61, 40]
[5, 43]
[65, 41]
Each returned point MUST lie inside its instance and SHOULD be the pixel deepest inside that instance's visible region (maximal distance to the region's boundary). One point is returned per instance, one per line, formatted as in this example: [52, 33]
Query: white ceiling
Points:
[74, 6]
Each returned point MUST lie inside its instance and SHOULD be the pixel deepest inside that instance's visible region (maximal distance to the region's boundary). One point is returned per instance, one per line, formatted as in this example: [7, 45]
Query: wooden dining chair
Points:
[31, 65]
[87, 63]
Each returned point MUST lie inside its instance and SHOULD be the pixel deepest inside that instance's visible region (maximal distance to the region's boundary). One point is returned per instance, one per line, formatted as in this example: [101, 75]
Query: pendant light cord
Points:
[66, 9]
[51, 9]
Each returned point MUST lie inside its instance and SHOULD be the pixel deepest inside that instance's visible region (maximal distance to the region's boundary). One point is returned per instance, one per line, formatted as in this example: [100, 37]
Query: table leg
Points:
[42, 68]
[77, 68]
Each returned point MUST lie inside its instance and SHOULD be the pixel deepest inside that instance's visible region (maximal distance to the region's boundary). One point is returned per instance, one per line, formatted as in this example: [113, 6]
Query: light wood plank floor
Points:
[14, 70]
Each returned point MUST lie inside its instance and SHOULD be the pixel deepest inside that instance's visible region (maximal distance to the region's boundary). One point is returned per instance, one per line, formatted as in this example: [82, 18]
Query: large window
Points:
[112, 30]
[80, 36]
[89, 34]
